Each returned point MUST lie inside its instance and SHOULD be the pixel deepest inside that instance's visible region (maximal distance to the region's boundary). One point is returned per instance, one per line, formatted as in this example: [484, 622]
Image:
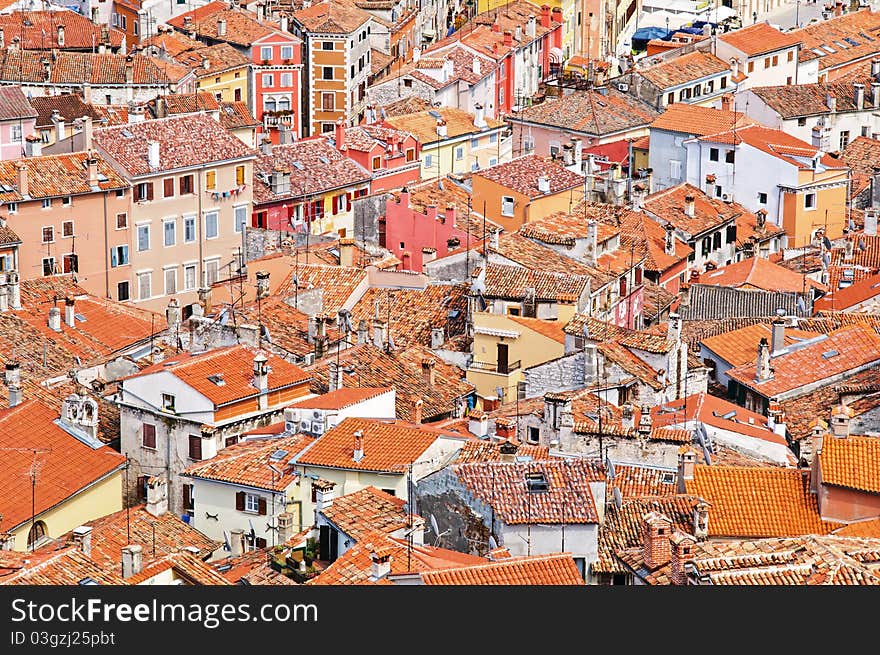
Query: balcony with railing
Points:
[278, 119]
[492, 367]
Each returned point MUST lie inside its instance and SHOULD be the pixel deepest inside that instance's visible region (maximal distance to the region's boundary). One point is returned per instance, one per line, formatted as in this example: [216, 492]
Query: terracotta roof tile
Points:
[69, 105]
[74, 68]
[171, 43]
[489, 451]
[668, 205]
[424, 125]
[776, 143]
[401, 369]
[698, 120]
[553, 569]
[14, 104]
[342, 398]
[861, 27]
[685, 68]
[591, 112]
[221, 57]
[739, 347]
[67, 566]
[411, 313]
[56, 175]
[853, 463]
[759, 38]
[360, 513]
[714, 303]
[761, 274]
[339, 284]
[185, 565]
[184, 141]
[758, 502]
[242, 27]
[521, 175]
[247, 463]
[158, 535]
[388, 446]
[566, 499]
[843, 351]
[551, 329]
[65, 465]
[870, 528]
[38, 30]
[633, 480]
[332, 17]
[315, 167]
[234, 365]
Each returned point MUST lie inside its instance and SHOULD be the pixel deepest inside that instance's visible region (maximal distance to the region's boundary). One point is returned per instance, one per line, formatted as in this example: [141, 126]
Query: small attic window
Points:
[667, 478]
[536, 482]
[278, 455]
[217, 379]
[80, 317]
[88, 581]
[828, 354]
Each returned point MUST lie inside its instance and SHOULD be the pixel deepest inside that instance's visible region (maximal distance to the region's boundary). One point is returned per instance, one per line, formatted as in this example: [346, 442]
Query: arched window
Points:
[270, 104]
[36, 535]
[284, 104]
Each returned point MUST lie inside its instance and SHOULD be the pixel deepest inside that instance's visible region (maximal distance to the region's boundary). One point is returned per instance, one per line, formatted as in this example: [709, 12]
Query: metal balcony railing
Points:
[494, 368]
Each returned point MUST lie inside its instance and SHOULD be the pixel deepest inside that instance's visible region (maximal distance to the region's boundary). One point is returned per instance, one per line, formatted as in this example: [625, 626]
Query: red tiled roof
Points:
[75, 68]
[862, 27]
[870, 528]
[490, 451]
[551, 329]
[221, 57]
[847, 349]
[339, 284]
[331, 16]
[368, 510]
[66, 566]
[388, 446]
[242, 27]
[158, 535]
[634, 480]
[758, 502]
[247, 463]
[14, 103]
[184, 141]
[709, 213]
[38, 30]
[234, 365]
[556, 569]
[777, 143]
[759, 273]
[503, 486]
[739, 347]
[64, 465]
[342, 398]
[758, 39]
[698, 120]
[843, 299]
[685, 68]
[521, 175]
[315, 166]
[56, 175]
[853, 463]
[69, 105]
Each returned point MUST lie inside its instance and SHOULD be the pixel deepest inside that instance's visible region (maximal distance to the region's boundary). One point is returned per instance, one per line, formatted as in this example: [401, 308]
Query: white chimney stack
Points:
[70, 311]
[153, 154]
[358, 446]
[479, 115]
[543, 184]
[82, 538]
[132, 560]
[689, 205]
[55, 319]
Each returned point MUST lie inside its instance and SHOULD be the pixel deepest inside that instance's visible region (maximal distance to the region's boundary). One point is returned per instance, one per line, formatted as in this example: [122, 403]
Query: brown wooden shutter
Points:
[149, 435]
[335, 204]
[195, 447]
[168, 185]
[239, 501]
[187, 496]
[149, 190]
[262, 504]
[261, 543]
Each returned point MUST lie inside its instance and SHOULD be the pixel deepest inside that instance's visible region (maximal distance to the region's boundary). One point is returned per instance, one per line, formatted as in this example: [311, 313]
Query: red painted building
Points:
[417, 228]
[392, 156]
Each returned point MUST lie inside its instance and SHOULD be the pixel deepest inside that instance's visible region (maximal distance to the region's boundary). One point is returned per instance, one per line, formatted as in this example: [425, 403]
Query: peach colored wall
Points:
[836, 503]
[92, 241]
[159, 256]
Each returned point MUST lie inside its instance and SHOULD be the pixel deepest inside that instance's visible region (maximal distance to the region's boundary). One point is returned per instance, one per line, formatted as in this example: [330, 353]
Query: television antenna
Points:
[492, 543]
[436, 530]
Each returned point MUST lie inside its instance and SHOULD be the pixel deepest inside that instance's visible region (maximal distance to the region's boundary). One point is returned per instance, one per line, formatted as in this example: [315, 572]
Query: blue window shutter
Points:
[113, 261]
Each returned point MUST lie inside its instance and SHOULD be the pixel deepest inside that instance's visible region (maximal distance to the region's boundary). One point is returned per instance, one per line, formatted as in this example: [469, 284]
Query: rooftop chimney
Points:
[859, 95]
[543, 183]
[479, 114]
[55, 319]
[475, 65]
[340, 134]
[157, 495]
[381, 564]
[531, 26]
[266, 146]
[646, 423]
[358, 454]
[669, 241]
[508, 38]
[762, 365]
[591, 252]
[13, 374]
[428, 371]
[545, 15]
[61, 36]
[237, 546]
[173, 313]
[92, 167]
[262, 284]
[627, 416]
[727, 102]
[656, 546]
[363, 332]
[261, 373]
[689, 205]
[205, 300]
[346, 251]
[682, 552]
[831, 101]
[82, 539]
[417, 411]
[777, 337]
[221, 27]
[687, 462]
[380, 333]
[285, 527]
[441, 128]
[153, 154]
[70, 311]
[496, 26]
[7, 541]
[701, 520]
[841, 415]
[2, 38]
[875, 69]
[132, 560]
[22, 170]
[437, 337]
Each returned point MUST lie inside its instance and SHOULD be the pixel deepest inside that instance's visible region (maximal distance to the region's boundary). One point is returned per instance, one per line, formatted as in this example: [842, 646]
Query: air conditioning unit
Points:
[305, 426]
[309, 359]
[622, 87]
[317, 414]
[317, 427]
[726, 197]
[291, 419]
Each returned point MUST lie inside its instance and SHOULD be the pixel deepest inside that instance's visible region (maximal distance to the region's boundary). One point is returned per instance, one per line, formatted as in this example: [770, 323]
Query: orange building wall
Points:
[321, 58]
[524, 208]
[276, 398]
[799, 222]
[837, 504]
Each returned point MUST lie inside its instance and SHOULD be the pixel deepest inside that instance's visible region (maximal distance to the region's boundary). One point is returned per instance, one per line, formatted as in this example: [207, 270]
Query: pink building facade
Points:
[277, 70]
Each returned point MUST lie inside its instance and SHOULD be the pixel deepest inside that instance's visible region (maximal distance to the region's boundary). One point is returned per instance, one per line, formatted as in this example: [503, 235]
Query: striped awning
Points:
[555, 55]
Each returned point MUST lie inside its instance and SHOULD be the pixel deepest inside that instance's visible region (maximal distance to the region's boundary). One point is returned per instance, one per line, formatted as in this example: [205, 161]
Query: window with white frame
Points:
[170, 281]
[16, 134]
[189, 229]
[287, 79]
[429, 161]
[48, 234]
[251, 503]
[268, 80]
[240, 214]
[810, 201]
[143, 238]
[507, 205]
[145, 285]
[48, 266]
[211, 225]
[287, 52]
[459, 153]
[169, 231]
[119, 255]
[266, 52]
[189, 277]
[212, 271]
[47, 203]
[674, 169]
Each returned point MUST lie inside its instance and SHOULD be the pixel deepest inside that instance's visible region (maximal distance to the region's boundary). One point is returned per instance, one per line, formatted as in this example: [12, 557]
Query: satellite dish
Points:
[801, 305]
[492, 543]
[253, 533]
[227, 545]
[618, 498]
[434, 524]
